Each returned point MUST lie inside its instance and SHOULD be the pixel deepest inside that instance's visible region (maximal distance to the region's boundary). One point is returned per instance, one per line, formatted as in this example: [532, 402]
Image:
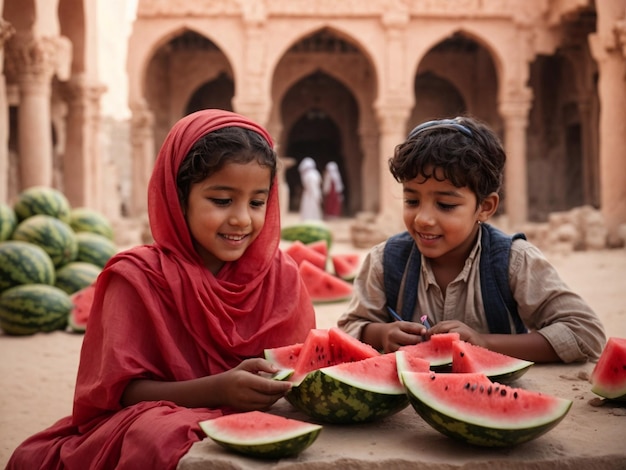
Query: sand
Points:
[38, 372]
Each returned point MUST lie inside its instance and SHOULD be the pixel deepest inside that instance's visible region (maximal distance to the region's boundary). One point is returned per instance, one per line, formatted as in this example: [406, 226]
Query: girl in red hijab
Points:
[178, 327]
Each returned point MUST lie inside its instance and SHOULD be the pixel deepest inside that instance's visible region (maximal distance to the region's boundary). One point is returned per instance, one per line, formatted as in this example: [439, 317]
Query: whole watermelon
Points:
[76, 275]
[95, 249]
[42, 200]
[8, 221]
[83, 219]
[53, 235]
[24, 263]
[33, 308]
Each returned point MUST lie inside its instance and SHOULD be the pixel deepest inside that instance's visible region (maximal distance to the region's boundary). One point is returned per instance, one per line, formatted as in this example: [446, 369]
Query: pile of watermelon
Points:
[50, 256]
[327, 275]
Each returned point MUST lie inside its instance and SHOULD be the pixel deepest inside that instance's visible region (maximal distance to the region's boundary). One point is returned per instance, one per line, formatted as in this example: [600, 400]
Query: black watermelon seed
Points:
[474, 386]
[489, 390]
[503, 392]
[482, 389]
[462, 354]
[515, 395]
[467, 385]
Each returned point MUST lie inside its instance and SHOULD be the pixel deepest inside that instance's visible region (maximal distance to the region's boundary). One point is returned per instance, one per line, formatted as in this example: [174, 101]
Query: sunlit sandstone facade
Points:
[335, 80]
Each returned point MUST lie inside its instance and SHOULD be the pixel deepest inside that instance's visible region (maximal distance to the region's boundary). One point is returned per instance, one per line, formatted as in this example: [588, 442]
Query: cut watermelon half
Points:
[352, 392]
[322, 286]
[262, 435]
[346, 265]
[608, 378]
[467, 357]
[82, 301]
[471, 408]
[437, 350]
[301, 252]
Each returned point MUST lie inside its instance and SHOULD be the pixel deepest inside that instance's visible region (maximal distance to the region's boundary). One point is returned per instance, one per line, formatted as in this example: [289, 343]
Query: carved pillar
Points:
[6, 31]
[143, 157]
[32, 62]
[392, 120]
[608, 47]
[370, 171]
[82, 170]
[514, 110]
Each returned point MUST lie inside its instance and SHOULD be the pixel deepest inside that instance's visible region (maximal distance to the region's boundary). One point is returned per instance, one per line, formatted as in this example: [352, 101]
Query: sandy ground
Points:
[37, 373]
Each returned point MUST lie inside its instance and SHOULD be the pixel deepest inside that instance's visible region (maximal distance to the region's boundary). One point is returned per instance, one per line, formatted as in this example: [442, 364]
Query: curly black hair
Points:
[463, 150]
[213, 150]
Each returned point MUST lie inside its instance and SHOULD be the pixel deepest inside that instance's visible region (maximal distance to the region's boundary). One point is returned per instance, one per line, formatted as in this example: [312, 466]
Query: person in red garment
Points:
[178, 327]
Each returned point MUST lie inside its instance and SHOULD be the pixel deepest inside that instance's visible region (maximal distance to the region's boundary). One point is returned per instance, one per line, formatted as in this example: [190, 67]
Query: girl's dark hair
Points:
[464, 151]
[213, 150]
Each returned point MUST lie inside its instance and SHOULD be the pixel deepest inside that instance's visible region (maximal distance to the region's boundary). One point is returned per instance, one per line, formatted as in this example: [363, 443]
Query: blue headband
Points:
[441, 124]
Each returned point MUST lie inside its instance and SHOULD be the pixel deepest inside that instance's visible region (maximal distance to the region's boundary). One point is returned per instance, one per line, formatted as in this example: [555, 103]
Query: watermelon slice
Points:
[79, 314]
[323, 287]
[437, 350]
[346, 265]
[471, 408]
[321, 246]
[608, 378]
[467, 357]
[346, 348]
[352, 392]
[301, 252]
[314, 354]
[262, 435]
[284, 357]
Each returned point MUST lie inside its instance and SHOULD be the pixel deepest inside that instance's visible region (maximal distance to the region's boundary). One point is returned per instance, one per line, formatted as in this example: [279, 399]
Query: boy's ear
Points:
[488, 207]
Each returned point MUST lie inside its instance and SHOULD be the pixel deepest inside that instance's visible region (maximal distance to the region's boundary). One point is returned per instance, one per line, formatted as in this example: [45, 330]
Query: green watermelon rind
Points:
[94, 248]
[479, 430]
[33, 308]
[76, 275]
[53, 235]
[42, 200]
[8, 221]
[24, 263]
[326, 399]
[84, 219]
[307, 232]
[281, 445]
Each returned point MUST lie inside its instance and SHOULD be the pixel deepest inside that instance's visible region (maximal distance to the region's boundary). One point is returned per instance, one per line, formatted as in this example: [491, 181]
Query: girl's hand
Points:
[244, 388]
[466, 333]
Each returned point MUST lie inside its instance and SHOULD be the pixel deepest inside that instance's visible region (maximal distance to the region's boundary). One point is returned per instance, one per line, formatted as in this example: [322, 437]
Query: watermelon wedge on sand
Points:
[301, 252]
[608, 378]
[467, 357]
[261, 435]
[346, 265]
[471, 408]
[322, 286]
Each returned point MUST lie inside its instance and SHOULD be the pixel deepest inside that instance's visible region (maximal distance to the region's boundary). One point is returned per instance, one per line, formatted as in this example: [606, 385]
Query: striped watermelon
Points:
[53, 235]
[95, 249]
[76, 275]
[83, 219]
[24, 263]
[33, 308]
[8, 221]
[42, 200]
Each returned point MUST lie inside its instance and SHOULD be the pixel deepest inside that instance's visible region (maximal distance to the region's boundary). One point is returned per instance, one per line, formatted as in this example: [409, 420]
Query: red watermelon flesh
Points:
[437, 350]
[284, 357]
[301, 252]
[406, 362]
[608, 378]
[315, 354]
[467, 357]
[377, 374]
[82, 301]
[322, 286]
[346, 265]
[346, 348]
[321, 246]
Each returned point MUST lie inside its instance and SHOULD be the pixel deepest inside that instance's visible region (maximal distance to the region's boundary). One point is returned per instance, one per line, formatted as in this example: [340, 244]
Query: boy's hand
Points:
[402, 333]
[243, 388]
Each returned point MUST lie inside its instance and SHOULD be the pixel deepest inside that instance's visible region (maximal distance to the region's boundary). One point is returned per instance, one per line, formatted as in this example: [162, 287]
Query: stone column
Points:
[33, 62]
[608, 47]
[82, 166]
[514, 110]
[392, 121]
[6, 31]
[143, 157]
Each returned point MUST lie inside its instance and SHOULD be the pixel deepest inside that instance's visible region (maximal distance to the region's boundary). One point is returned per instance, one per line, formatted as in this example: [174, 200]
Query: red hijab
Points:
[189, 322]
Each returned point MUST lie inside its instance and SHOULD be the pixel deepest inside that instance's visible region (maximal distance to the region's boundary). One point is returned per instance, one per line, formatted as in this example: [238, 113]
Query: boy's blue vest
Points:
[401, 254]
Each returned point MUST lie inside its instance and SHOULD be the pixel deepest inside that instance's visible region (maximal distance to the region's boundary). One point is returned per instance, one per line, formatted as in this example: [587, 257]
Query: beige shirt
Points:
[544, 302]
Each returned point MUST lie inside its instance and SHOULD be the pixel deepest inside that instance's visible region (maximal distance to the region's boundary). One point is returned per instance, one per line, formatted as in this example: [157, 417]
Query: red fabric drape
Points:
[158, 313]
